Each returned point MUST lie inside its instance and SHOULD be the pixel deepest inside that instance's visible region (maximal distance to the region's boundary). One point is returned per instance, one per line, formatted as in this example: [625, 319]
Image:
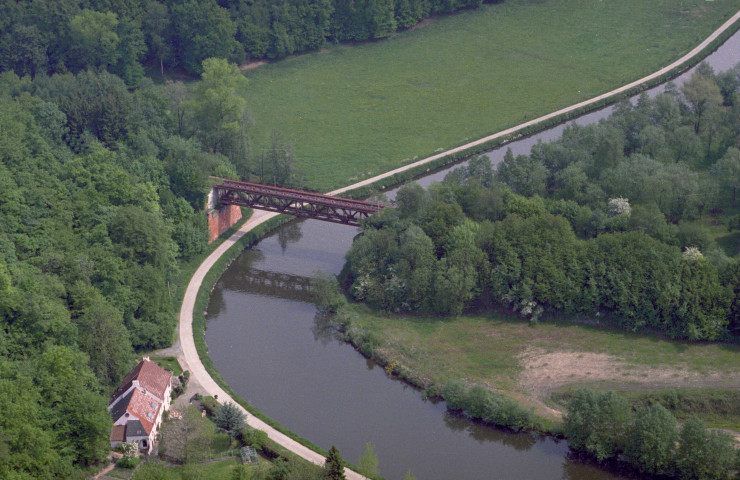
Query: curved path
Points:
[189, 355]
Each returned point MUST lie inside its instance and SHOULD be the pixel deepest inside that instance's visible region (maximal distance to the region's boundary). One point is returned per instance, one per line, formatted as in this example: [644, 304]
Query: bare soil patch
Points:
[543, 373]
[251, 65]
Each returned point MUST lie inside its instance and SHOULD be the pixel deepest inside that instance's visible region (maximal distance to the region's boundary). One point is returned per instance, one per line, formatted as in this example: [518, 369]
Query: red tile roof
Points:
[151, 377]
[154, 378]
[145, 408]
[118, 433]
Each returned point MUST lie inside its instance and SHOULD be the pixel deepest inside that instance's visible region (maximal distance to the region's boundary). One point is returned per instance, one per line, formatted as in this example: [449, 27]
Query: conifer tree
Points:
[334, 465]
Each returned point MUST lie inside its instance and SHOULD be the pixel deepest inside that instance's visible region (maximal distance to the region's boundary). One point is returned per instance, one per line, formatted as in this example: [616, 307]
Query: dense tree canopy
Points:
[603, 425]
[54, 36]
[610, 220]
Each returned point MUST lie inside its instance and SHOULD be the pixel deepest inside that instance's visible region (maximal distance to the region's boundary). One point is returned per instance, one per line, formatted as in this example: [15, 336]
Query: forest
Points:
[59, 36]
[103, 180]
[617, 221]
[102, 192]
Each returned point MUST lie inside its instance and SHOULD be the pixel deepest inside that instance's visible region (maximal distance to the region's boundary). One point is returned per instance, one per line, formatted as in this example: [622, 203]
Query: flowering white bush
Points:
[618, 206]
[531, 309]
[692, 253]
[129, 449]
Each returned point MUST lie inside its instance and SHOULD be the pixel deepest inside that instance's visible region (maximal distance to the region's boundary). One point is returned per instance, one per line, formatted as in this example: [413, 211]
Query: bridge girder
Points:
[295, 202]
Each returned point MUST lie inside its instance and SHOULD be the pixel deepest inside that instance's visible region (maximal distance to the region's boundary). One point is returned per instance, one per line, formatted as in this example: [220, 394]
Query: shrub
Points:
[596, 422]
[651, 445]
[210, 404]
[704, 455]
[454, 393]
[126, 462]
[253, 437]
[479, 402]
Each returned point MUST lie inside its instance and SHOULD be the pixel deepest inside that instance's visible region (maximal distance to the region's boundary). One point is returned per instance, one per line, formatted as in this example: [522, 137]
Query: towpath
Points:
[188, 355]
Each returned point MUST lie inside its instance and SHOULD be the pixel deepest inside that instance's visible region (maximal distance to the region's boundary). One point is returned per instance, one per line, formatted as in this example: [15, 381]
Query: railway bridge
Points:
[228, 195]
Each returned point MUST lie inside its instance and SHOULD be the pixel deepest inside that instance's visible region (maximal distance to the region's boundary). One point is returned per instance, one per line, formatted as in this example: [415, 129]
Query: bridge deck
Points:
[295, 202]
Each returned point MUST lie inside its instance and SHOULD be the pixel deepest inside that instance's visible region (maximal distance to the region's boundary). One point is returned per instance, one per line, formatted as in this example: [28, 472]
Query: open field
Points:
[530, 362]
[354, 111]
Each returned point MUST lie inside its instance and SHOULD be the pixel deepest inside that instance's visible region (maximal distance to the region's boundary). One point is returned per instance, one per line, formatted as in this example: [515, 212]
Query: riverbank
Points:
[462, 77]
[192, 353]
[537, 364]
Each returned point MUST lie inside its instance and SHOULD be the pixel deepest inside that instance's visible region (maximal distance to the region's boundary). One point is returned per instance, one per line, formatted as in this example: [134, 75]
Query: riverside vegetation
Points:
[627, 223]
[104, 174]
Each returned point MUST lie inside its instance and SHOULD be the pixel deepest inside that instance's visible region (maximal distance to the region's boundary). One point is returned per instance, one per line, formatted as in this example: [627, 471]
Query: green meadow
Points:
[352, 111]
[531, 362]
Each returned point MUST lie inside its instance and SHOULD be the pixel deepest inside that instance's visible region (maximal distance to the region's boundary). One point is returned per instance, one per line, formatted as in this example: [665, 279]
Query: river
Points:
[267, 342]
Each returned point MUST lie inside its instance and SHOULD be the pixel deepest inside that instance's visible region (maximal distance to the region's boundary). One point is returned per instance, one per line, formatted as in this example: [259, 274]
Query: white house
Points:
[138, 404]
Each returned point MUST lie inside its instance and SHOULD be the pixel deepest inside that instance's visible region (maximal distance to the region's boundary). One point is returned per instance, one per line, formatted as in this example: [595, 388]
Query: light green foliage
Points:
[187, 439]
[154, 471]
[129, 449]
[409, 475]
[376, 114]
[95, 33]
[216, 109]
[703, 95]
[368, 461]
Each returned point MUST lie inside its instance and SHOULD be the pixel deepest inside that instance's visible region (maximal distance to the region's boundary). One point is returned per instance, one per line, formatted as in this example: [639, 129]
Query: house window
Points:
[144, 444]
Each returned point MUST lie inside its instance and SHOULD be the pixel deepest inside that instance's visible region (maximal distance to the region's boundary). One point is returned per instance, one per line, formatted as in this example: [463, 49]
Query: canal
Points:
[269, 345]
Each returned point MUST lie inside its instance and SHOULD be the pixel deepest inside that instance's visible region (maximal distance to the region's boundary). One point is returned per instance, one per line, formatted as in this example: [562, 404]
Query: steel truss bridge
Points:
[294, 202]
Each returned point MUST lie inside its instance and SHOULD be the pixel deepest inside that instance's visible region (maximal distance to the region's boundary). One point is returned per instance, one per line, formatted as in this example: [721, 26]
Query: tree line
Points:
[604, 426]
[613, 221]
[56, 36]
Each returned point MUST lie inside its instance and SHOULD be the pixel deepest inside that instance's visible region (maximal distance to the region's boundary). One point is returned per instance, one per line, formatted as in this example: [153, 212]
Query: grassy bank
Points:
[351, 112]
[530, 363]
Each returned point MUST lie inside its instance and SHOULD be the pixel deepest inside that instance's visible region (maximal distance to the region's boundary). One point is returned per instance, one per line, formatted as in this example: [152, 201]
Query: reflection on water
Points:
[268, 343]
[282, 357]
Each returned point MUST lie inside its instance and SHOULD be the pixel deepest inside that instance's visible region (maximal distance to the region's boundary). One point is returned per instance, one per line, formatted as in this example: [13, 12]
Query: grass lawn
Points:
[533, 361]
[122, 473]
[221, 470]
[168, 363]
[354, 111]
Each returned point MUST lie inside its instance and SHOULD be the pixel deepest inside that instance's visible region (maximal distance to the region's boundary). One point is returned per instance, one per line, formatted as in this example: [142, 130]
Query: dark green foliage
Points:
[593, 223]
[127, 462]
[57, 36]
[254, 438]
[210, 405]
[87, 246]
[704, 455]
[230, 419]
[651, 440]
[327, 294]
[597, 422]
[334, 467]
[603, 425]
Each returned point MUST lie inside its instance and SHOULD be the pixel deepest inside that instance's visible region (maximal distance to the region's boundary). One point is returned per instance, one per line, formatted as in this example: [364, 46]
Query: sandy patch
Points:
[251, 65]
[542, 373]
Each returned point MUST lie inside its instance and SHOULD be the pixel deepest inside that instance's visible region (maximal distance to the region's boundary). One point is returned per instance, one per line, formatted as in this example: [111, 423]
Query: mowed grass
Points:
[486, 349]
[354, 111]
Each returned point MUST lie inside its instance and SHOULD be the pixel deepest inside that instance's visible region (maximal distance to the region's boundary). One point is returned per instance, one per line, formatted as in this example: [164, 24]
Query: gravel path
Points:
[189, 356]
